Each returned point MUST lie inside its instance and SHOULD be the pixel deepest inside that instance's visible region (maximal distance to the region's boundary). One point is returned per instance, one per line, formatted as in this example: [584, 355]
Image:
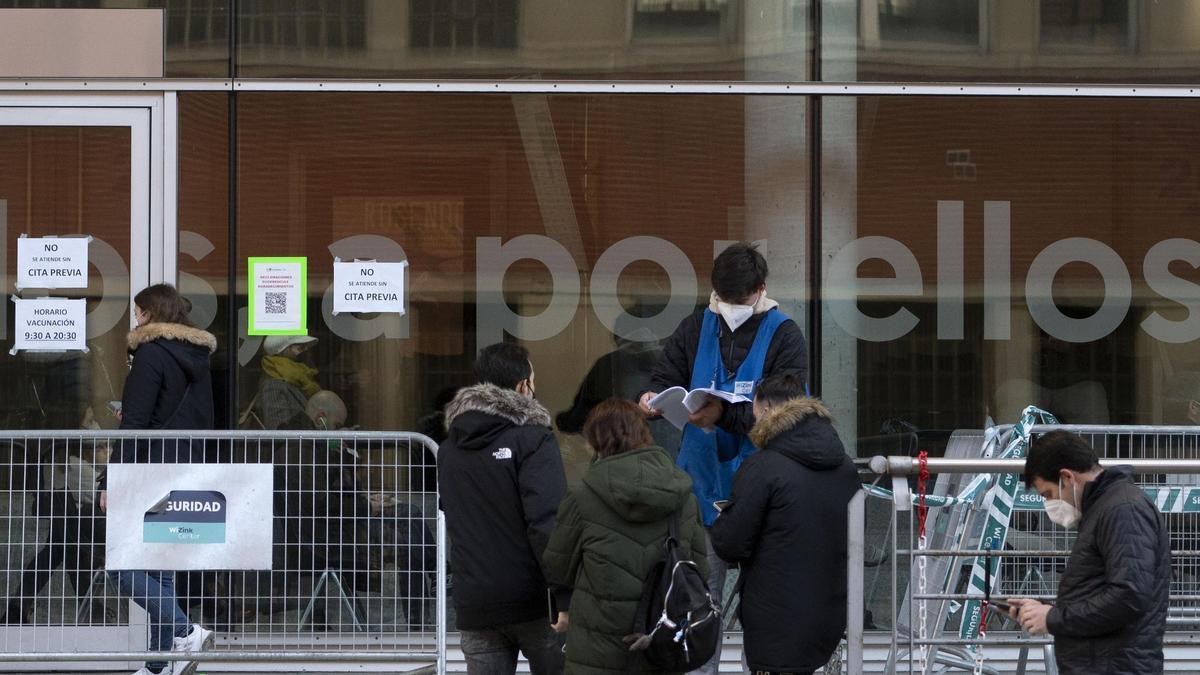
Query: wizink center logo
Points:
[186, 517]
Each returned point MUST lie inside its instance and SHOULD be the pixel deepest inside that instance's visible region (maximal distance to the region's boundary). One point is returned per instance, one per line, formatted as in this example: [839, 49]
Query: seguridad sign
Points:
[189, 516]
[186, 517]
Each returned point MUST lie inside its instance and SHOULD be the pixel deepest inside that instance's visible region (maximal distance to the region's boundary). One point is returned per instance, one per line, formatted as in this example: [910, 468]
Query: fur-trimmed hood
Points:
[497, 409]
[191, 348]
[803, 430]
[761, 306]
[170, 331]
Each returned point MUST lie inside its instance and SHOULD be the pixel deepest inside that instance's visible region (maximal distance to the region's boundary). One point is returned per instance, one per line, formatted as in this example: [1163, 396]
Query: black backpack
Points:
[677, 626]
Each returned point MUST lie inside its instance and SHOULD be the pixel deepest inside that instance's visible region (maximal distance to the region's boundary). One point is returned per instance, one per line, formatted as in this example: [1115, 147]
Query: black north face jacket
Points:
[1111, 609]
[500, 477]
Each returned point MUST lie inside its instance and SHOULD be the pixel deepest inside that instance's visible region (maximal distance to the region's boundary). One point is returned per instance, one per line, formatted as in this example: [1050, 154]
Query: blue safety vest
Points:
[711, 459]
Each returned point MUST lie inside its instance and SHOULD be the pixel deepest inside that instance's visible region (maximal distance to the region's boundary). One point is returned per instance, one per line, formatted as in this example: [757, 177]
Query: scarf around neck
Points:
[293, 372]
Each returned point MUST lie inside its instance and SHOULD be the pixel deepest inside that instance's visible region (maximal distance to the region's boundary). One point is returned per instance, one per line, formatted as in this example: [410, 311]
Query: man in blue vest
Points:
[739, 339]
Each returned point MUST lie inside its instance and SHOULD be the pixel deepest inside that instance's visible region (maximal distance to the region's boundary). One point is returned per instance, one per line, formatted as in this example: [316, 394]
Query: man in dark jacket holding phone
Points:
[1111, 610]
[500, 475]
[785, 524]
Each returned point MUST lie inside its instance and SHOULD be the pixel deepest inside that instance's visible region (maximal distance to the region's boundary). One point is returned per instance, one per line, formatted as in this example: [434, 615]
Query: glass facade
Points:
[1006, 252]
[963, 256]
[752, 40]
[64, 182]
[529, 217]
[950, 260]
[976, 255]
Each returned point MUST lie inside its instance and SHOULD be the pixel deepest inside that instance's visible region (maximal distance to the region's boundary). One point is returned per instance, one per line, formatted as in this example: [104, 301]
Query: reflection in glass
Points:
[1119, 41]
[1102, 25]
[583, 227]
[1038, 278]
[931, 23]
[638, 39]
[463, 25]
[683, 19]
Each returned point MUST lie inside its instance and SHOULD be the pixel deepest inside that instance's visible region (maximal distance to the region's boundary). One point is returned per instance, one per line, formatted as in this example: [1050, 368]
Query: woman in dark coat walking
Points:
[610, 533]
[169, 387]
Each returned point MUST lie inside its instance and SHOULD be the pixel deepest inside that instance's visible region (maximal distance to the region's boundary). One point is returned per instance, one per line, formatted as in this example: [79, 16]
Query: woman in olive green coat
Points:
[610, 532]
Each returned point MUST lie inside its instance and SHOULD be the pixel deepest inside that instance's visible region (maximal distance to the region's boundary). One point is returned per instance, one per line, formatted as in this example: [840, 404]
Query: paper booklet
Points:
[678, 403]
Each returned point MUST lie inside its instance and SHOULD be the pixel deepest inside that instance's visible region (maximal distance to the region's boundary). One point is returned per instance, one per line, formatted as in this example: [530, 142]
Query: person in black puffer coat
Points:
[1111, 610]
[169, 386]
[500, 480]
[785, 524]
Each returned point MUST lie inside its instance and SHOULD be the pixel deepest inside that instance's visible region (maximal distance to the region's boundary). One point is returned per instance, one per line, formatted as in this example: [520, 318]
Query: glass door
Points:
[69, 172]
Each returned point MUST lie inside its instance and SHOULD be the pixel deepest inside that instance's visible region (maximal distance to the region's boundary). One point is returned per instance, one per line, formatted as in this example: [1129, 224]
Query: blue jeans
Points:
[155, 593]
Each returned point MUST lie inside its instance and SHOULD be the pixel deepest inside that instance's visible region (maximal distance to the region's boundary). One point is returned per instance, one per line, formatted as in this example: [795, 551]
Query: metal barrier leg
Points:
[1022, 660]
[330, 578]
[312, 602]
[84, 603]
[856, 548]
[442, 615]
[347, 601]
[1051, 664]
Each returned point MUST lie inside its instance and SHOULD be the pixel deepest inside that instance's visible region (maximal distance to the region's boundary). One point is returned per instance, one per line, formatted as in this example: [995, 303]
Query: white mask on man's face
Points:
[1062, 512]
[736, 315]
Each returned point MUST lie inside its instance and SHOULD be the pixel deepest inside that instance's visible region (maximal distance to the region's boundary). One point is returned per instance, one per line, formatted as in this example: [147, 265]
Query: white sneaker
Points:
[196, 641]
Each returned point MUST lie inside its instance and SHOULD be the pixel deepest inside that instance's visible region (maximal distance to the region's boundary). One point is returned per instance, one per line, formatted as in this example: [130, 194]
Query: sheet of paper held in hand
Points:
[677, 403]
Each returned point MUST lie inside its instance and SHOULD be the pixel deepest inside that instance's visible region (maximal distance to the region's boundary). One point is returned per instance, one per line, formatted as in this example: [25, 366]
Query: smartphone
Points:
[720, 505]
[552, 606]
[1000, 604]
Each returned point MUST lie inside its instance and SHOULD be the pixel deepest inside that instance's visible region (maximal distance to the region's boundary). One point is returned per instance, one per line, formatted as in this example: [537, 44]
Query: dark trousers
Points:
[494, 651]
[72, 545]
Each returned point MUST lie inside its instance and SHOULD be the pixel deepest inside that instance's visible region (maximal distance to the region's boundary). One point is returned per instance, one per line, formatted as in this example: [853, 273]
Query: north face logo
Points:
[503, 453]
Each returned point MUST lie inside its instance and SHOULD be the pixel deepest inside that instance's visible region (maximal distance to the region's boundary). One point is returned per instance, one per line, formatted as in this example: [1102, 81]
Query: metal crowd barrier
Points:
[1166, 463]
[358, 566]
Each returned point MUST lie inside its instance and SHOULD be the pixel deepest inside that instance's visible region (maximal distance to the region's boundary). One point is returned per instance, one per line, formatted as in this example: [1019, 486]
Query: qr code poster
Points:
[278, 296]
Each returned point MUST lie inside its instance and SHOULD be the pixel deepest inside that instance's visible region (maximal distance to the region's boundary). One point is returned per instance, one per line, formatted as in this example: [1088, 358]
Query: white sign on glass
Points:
[368, 286]
[188, 516]
[52, 262]
[50, 324]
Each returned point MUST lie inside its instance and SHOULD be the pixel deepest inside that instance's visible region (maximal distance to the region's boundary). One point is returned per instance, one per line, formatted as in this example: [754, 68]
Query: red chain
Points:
[922, 477]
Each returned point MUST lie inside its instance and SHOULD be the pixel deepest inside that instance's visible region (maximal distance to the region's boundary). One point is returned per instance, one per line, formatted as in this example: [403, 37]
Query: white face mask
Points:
[1062, 512]
[736, 315]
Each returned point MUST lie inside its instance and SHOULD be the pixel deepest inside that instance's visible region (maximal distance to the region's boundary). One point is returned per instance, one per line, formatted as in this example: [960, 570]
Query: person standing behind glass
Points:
[739, 339]
[169, 387]
[287, 383]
